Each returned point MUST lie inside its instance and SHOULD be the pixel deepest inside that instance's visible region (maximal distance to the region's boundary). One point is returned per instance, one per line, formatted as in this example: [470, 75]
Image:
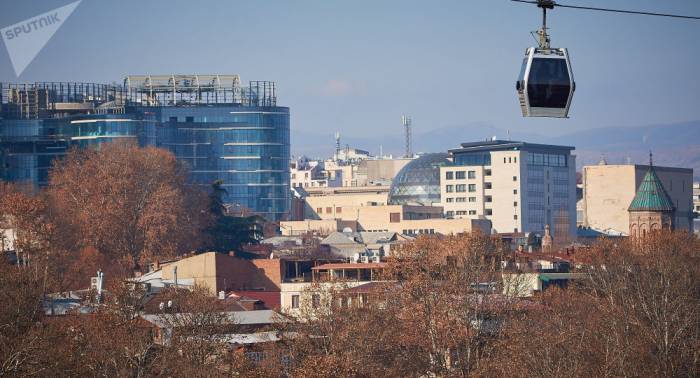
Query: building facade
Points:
[220, 129]
[610, 189]
[518, 186]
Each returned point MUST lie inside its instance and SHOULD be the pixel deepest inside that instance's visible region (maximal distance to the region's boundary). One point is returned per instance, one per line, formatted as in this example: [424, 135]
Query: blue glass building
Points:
[218, 128]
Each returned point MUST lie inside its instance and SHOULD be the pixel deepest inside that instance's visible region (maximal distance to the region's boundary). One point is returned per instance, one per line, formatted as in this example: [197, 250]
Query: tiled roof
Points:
[651, 195]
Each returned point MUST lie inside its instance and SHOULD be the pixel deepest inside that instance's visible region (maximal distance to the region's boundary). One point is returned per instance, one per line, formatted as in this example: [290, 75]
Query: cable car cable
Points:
[610, 10]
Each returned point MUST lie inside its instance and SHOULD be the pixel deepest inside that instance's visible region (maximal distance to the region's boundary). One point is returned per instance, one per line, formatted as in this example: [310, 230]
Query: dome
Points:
[419, 181]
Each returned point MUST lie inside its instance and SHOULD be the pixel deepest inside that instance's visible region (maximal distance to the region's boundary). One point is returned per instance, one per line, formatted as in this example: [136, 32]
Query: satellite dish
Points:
[347, 230]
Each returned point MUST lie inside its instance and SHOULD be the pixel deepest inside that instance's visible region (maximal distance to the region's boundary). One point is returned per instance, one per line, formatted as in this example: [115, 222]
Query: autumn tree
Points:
[129, 203]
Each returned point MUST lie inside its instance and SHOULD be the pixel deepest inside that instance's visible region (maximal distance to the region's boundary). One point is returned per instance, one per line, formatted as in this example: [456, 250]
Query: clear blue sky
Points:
[357, 65]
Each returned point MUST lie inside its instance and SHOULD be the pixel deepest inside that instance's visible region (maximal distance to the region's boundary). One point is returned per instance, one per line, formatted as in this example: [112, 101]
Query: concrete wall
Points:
[609, 189]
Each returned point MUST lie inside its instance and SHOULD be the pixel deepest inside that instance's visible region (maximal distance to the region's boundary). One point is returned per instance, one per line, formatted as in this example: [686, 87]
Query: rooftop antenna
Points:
[406, 122]
[651, 161]
[337, 145]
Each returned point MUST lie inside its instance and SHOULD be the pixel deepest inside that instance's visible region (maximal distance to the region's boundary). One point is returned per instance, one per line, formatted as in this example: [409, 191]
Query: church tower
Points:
[652, 208]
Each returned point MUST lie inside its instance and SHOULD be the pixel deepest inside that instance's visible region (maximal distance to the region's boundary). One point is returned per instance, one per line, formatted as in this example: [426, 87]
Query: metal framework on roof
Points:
[177, 90]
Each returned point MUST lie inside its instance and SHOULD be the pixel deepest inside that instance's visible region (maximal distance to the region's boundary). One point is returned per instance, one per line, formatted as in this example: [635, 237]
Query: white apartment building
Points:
[518, 186]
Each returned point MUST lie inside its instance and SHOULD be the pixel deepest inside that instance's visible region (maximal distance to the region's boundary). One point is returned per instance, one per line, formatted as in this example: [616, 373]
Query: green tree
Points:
[230, 233]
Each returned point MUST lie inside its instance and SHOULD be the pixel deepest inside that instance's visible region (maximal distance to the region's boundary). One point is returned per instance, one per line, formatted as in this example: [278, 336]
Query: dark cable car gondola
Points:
[546, 83]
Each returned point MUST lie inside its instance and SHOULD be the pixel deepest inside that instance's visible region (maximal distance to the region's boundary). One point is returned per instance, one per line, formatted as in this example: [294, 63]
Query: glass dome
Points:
[419, 181]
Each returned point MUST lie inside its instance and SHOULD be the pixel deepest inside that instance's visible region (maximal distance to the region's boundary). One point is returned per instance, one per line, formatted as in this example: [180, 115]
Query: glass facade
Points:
[28, 147]
[245, 144]
[245, 147]
[419, 181]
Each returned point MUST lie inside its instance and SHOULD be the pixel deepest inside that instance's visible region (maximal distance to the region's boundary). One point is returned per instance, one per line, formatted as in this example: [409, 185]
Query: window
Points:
[515, 178]
[471, 174]
[450, 214]
[316, 300]
[461, 188]
[461, 212]
[449, 188]
[319, 210]
[488, 211]
[461, 175]
[189, 119]
[294, 175]
[515, 160]
[295, 301]
[472, 199]
[515, 216]
[472, 212]
[487, 185]
[487, 172]
[461, 199]
[449, 200]
[394, 217]
[488, 199]
[515, 191]
[173, 119]
[449, 175]
[515, 203]
[329, 210]
[338, 210]
[472, 187]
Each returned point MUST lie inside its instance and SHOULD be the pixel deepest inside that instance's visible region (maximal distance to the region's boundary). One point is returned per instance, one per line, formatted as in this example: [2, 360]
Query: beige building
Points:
[403, 219]
[608, 191]
[518, 186]
[379, 170]
[329, 203]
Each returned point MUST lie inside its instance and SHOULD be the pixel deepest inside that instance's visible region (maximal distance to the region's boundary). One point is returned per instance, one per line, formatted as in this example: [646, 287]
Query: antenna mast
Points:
[406, 121]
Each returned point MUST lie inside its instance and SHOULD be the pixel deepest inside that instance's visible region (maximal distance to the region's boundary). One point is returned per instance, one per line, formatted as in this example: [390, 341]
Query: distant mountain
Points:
[675, 144]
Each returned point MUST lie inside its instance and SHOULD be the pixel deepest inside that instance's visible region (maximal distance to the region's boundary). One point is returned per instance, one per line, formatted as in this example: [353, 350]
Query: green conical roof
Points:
[651, 195]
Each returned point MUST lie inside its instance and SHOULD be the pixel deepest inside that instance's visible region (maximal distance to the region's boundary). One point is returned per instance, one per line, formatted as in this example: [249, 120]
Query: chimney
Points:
[156, 265]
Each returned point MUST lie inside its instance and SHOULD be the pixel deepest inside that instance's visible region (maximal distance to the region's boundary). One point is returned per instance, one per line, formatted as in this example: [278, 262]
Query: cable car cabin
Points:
[546, 84]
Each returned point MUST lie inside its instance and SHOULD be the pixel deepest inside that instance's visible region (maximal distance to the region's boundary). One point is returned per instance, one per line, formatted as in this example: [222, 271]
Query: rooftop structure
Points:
[419, 181]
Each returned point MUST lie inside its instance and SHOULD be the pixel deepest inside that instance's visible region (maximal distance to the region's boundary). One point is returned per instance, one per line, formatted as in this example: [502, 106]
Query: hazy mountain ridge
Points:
[675, 144]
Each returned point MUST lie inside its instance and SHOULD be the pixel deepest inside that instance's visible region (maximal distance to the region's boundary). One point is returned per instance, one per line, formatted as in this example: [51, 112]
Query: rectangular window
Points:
[173, 119]
[515, 216]
[329, 210]
[449, 188]
[487, 172]
[515, 191]
[515, 203]
[294, 175]
[394, 217]
[515, 178]
[461, 175]
[487, 185]
[295, 301]
[450, 200]
[338, 210]
[472, 174]
[461, 199]
[472, 187]
[450, 214]
[189, 119]
[319, 210]
[472, 212]
[461, 188]
[488, 199]
[488, 211]
[461, 212]
[472, 199]
[449, 175]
